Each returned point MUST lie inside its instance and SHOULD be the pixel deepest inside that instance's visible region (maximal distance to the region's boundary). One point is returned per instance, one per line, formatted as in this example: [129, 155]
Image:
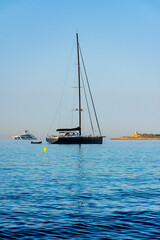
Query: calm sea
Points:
[109, 191]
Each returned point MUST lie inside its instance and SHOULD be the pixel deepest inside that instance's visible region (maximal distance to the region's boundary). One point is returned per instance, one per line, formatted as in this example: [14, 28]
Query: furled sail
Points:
[68, 129]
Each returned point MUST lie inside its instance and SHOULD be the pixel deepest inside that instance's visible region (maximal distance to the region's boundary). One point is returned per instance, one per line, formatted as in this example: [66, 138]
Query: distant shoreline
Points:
[133, 138]
[139, 136]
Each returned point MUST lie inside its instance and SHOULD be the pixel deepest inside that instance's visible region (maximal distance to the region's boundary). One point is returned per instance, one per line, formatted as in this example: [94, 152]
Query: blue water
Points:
[109, 191]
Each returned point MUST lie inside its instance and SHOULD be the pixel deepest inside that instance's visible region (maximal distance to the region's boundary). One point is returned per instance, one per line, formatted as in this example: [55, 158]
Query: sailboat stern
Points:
[52, 139]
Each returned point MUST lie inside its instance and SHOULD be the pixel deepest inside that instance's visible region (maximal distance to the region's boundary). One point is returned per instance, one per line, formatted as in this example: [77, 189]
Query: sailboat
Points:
[74, 135]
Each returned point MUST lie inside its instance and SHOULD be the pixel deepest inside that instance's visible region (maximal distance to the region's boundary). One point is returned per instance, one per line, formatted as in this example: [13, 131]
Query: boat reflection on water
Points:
[79, 200]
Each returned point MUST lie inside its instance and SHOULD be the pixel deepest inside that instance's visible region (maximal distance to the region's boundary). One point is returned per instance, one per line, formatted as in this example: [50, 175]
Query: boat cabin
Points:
[68, 134]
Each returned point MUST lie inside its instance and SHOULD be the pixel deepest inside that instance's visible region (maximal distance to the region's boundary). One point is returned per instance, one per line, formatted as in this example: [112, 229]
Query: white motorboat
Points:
[25, 136]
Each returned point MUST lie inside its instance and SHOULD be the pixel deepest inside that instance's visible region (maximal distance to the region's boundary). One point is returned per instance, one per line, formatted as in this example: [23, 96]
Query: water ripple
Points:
[80, 192]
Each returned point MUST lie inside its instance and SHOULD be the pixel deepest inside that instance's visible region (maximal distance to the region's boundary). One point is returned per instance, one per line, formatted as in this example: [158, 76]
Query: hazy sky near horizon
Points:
[120, 41]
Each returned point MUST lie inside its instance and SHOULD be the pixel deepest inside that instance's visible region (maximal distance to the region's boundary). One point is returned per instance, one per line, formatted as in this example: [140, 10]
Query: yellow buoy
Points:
[45, 149]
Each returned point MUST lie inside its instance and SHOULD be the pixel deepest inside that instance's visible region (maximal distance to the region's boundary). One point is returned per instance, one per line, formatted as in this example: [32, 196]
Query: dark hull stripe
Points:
[76, 140]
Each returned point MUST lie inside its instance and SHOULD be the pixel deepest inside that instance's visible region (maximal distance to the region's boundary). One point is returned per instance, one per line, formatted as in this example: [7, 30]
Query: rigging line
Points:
[61, 97]
[87, 104]
[74, 93]
[83, 115]
[90, 92]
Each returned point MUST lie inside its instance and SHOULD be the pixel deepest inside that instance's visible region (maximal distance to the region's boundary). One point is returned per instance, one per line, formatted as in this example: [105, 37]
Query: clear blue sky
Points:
[120, 40]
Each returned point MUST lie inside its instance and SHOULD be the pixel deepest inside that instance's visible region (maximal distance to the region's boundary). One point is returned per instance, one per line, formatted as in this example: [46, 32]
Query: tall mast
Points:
[79, 85]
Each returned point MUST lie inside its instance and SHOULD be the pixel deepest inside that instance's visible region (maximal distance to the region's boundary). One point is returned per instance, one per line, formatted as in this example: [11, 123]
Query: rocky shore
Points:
[139, 136]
